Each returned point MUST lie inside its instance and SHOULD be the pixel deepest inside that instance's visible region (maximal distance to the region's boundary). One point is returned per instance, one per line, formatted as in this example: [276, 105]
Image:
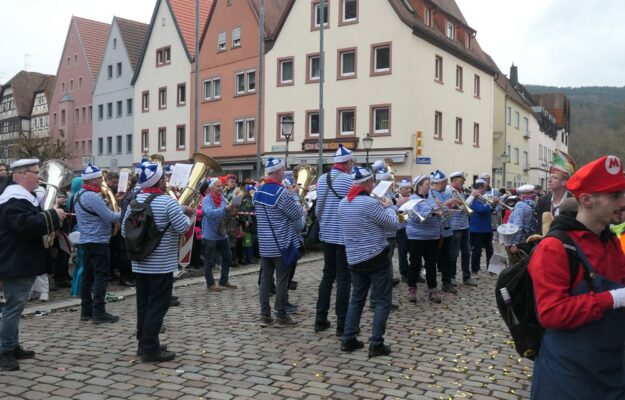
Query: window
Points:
[63, 87]
[347, 121]
[83, 114]
[381, 120]
[476, 86]
[221, 41]
[349, 12]
[109, 72]
[240, 83]
[245, 82]
[114, 43]
[438, 69]
[100, 146]
[526, 163]
[181, 138]
[163, 56]
[119, 141]
[71, 85]
[216, 133]
[89, 112]
[509, 115]
[526, 122]
[476, 135]
[312, 123]
[211, 134]
[80, 82]
[516, 155]
[89, 147]
[128, 106]
[62, 117]
[236, 37]
[427, 16]
[100, 111]
[282, 117]
[239, 131]
[313, 68]
[162, 138]
[119, 69]
[162, 98]
[381, 59]
[438, 125]
[75, 59]
[249, 129]
[82, 148]
[317, 14]
[109, 110]
[129, 144]
[347, 63]
[285, 71]
[212, 89]
[251, 81]
[109, 145]
[458, 77]
[145, 101]
[181, 95]
[517, 119]
[458, 130]
[53, 119]
[451, 30]
[145, 144]
[120, 109]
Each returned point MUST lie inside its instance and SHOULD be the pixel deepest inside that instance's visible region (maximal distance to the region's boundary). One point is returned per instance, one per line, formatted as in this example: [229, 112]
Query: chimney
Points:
[514, 75]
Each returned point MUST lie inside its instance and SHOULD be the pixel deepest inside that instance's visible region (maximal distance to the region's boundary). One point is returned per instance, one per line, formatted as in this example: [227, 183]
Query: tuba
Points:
[306, 175]
[160, 160]
[110, 200]
[55, 174]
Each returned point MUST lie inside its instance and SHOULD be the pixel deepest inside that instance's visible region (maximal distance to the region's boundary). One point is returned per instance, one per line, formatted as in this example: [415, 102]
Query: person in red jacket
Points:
[581, 354]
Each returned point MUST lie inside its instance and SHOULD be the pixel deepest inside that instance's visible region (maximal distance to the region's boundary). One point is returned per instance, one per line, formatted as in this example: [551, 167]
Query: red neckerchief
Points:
[152, 190]
[355, 191]
[340, 167]
[216, 199]
[271, 180]
[96, 189]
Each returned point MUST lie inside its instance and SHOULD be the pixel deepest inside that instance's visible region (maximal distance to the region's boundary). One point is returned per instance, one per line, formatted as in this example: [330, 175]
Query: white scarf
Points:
[18, 192]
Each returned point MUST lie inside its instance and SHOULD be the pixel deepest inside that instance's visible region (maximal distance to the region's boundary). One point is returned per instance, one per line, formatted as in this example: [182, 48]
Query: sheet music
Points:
[382, 188]
[123, 181]
[180, 175]
[410, 204]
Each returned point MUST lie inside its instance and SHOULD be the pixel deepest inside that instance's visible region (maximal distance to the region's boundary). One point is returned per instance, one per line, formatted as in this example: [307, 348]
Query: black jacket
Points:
[544, 205]
[22, 226]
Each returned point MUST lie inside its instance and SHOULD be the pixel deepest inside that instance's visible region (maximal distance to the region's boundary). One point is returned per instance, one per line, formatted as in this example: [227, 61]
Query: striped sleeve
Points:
[96, 204]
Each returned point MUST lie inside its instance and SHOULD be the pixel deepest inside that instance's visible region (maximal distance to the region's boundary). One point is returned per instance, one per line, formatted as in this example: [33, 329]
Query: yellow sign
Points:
[419, 134]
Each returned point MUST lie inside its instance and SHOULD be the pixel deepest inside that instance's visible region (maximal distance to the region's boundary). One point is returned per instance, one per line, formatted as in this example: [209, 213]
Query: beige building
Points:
[407, 73]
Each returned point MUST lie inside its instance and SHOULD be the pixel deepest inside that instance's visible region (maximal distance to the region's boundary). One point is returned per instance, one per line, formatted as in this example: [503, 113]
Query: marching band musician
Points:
[95, 220]
[332, 187]
[382, 174]
[480, 226]
[460, 243]
[22, 253]
[367, 257]
[280, 220]
[523, 217]
[404, 188]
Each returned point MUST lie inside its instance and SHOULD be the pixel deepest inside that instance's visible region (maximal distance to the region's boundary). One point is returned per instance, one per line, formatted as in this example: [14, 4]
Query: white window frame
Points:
[181, 141]
[250, 73]
[438, 68]
[517, 119]
[281, 66]
[375, 58]
[427, 17]
[236, 38]
[162, 98]
[476, 85]
[459, 77]
[212, 88]
[343, 10]
[162, 139]
[208, 129]
[342, 66]
[239, 130]
[249, 133]
[317, 17]
[375, 119]
[310, 117]
[342, 130]
[239, 78]
[450, 32]
[458, 130]
[145, 140]
[222, 39]
[310, 68]
[476, 135]
[438, 124]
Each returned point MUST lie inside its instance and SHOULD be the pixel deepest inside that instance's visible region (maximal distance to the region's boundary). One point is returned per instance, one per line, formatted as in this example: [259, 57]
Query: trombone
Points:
[457, 195]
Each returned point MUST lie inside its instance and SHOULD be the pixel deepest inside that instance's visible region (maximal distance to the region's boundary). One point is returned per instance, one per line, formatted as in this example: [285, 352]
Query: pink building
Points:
[71, 110]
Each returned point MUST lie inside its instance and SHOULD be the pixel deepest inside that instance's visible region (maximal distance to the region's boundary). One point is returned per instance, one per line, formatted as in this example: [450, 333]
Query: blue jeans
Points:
[402, 251]
[153, 297]
[269, 265]
[211, 249]
[460, 246]
[16, 293]
[96, 274]
[381, 282]
[334, 268]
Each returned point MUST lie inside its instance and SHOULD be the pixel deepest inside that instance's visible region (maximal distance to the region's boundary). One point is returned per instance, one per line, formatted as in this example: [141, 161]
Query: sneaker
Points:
[21, 354]
[434, 296]
[449, 288]
[412, 294]
[265, 321]
[352, 344]
[420, 279]
[214, 288]
[160, 356]
[177, 274]
[105, 318]
[475, 275]
[291, 308]
[8, 362]
[469, 282]
[293, 285]
[228, 285]
[322, 325]
[285, 322]
[379, 350]
[44, 297]
[162, 347]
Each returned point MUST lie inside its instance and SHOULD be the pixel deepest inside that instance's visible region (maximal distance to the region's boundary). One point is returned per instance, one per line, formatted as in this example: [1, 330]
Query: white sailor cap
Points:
[480, 181]
[360, 175]
[527, 188]
[25, 162]
[419, 178]
[457, 174]
[405, 183]
[377, 164]
[484, 175]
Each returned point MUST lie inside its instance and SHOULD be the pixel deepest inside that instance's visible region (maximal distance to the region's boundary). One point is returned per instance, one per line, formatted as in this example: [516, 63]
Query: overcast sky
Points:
[553, 42]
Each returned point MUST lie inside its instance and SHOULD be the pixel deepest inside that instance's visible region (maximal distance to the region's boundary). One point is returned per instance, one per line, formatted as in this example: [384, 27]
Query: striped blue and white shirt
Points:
[430, 229]
[459, 218]
[164, 259]
[445, 219]
[94, 228]
[213, 219]
[523, 217]
[329, 229]
[391, 233]
[277, 213]
[365, 221]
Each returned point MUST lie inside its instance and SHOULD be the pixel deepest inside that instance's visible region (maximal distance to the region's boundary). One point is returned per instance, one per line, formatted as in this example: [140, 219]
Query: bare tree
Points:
[42, 148]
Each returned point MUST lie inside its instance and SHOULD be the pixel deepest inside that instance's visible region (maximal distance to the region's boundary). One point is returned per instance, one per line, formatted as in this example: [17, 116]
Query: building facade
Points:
[40, 116]
[558, 105]
[113, 96]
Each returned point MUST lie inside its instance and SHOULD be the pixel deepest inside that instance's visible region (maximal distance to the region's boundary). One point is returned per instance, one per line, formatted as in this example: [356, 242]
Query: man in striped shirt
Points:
[155, 272]
[460, 244]
[95, 220]
[365, 220]
[331, 189]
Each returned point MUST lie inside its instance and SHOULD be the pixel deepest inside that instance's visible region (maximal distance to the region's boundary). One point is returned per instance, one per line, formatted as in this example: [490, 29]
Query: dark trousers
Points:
[444, 259]
[196, 253]
[402, 251]
[480, 240]
[96, 274]
[460, 245]
[153, 296]
[334, 268]
[61, 266]
[269, 266]
[422, 250]
[211, 249]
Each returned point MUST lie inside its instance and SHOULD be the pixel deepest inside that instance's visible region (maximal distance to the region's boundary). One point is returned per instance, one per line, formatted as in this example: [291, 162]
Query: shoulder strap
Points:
[150, 198]
[575, 255]
[147, 202]
[329, 179]
[77, 200]
[271, 227]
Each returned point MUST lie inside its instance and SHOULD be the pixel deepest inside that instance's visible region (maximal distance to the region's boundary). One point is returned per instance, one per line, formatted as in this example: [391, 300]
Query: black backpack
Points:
[142, 234]
[519, 311]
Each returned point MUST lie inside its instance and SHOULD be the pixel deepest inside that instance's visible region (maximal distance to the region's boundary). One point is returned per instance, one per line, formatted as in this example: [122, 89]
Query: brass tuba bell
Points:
[55, 174]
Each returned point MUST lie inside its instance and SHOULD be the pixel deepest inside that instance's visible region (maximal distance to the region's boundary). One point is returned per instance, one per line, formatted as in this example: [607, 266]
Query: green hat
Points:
[563, 164]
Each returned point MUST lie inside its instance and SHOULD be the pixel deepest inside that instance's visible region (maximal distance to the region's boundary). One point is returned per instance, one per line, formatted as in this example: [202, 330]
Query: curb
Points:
[44, 309]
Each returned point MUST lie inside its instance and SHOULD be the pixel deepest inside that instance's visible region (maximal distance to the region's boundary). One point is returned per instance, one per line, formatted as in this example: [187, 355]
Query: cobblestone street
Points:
[457, 349]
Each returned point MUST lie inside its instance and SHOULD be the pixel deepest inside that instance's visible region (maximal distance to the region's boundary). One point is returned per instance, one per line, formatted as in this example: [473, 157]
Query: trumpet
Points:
[404, 216]
[491, 200]
[456, 194]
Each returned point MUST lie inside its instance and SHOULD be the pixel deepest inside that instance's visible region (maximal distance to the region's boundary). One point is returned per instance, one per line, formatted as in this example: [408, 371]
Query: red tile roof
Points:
[24, 86]
[504, 83]
[274, 11]
[93, 36]
[184, 14]
[451, 8]
[133, 34]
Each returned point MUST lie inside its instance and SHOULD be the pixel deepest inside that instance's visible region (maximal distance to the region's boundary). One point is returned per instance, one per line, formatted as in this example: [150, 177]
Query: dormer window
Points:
[427, 17]
[451, 30]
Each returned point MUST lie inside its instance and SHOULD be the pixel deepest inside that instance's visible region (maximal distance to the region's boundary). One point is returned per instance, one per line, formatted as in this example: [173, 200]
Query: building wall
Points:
[151, 78]
[75, 132]
[111, 90]
[39, 116]
[413, 94]
[541, 151]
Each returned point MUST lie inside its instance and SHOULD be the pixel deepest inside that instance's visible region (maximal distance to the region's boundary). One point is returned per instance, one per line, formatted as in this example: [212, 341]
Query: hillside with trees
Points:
[597, 120]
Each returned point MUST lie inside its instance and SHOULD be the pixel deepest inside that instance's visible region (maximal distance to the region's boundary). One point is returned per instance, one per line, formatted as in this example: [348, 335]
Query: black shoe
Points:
[105, 318]
[351, 345]
[173, 302]
[293, 285]
[395, 282]
[85, 317]
[449, 288]
[20, 354]
[8, 361]
[379, 350]
[128, 282]
[420, 279]
[160, 356]
[322, 325]
[162, 347]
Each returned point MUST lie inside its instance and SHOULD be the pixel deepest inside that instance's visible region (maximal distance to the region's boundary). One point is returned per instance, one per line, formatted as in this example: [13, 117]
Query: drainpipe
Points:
[505, 140]
[261, 51]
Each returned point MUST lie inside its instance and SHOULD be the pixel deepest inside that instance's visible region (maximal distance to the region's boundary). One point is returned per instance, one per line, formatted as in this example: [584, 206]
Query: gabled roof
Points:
[274, 12]
[504, 83]
[133, 34]
[451, 8]
[24, 86]
[551, 100]
[93, 36]
[47, 86]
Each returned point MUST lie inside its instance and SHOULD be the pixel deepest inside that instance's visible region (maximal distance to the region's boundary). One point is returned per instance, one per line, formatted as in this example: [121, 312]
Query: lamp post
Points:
[287, 132]
[367, 142]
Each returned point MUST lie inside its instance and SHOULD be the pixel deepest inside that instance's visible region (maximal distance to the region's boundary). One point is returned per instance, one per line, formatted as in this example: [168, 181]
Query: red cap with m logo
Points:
[604, 175]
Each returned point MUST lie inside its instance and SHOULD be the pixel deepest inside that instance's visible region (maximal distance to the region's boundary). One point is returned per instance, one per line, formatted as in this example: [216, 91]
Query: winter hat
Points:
[91, 172]
[484, 175]
[273, 165]
[604, 175]
[342, 154]
[377, 164]
[405, 183]
[360, 175]
[437, 176]
[382, 174]
[151, 173]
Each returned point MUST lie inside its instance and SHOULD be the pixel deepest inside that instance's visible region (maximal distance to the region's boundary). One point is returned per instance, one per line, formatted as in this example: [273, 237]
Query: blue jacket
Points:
[480, 221]
[213, 224]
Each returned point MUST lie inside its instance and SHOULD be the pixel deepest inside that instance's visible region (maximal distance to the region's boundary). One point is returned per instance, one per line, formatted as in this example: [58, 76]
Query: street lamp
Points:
[287, 132]
[367, 142]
